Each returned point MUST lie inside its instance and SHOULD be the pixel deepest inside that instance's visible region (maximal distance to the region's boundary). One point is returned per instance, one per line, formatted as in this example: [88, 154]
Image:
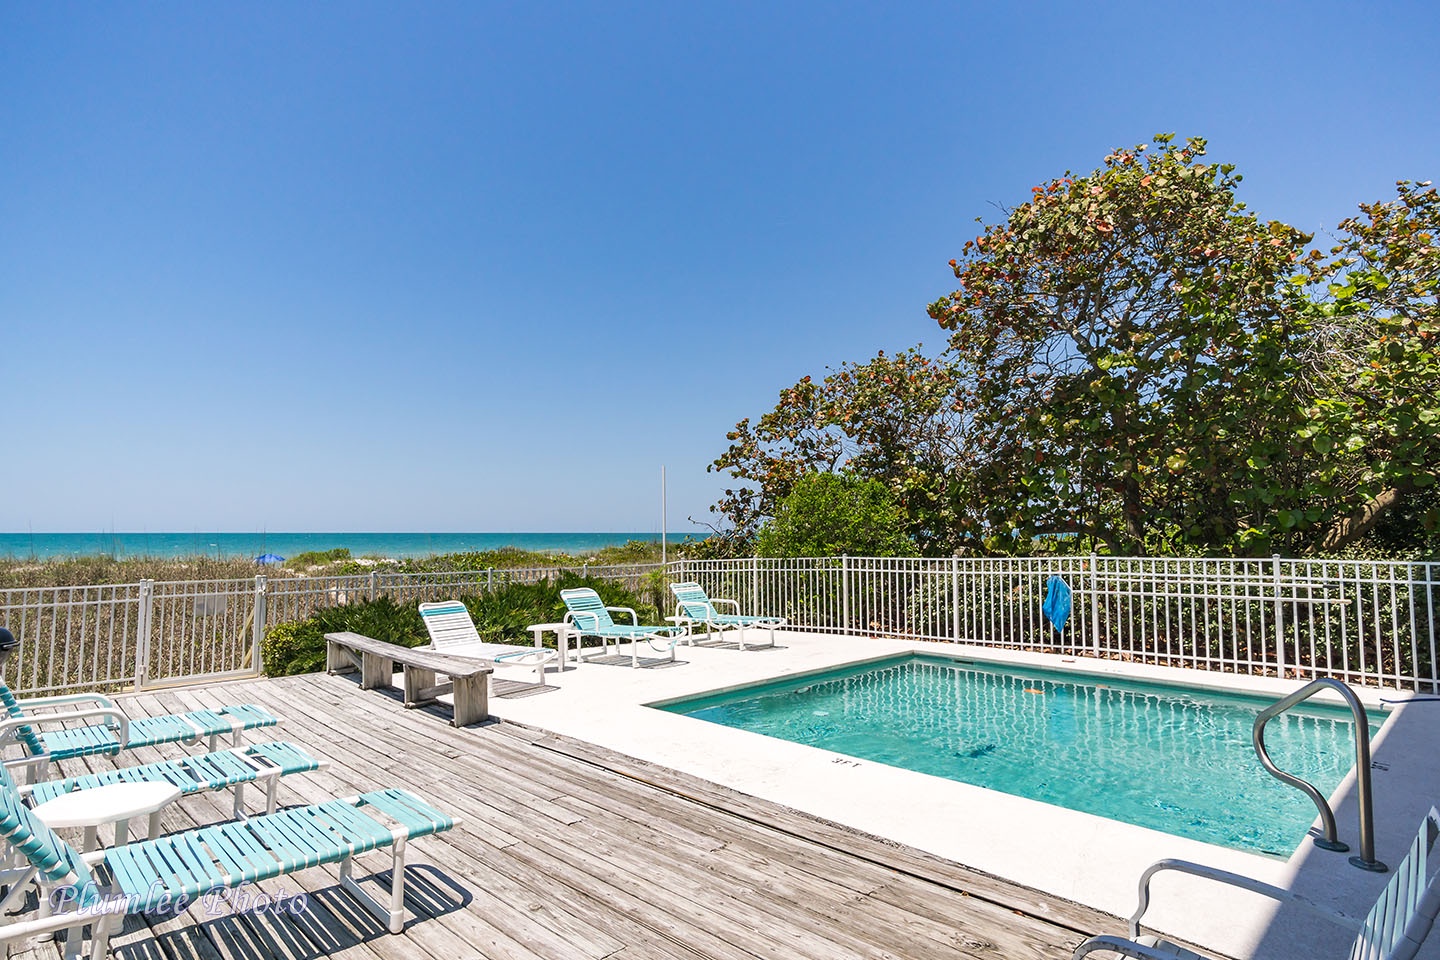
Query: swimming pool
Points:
[1170, 758]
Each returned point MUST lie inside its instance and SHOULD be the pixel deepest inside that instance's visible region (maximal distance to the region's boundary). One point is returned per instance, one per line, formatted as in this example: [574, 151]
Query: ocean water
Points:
[43, 546]
[1168, 758]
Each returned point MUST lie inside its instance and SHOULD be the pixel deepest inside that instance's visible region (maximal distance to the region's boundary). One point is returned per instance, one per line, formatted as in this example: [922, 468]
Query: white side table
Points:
[113, 803]
[562, 633]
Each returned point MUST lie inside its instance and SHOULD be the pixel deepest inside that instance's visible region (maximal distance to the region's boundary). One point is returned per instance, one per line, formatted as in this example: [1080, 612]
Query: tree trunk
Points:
[1347, 530]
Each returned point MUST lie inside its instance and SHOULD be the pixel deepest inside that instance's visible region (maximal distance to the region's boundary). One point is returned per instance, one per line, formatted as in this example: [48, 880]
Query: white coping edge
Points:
[1079, 856]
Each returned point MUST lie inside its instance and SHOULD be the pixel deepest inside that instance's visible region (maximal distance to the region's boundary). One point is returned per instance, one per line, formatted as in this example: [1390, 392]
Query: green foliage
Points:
[829, 514]
[511, 558]
[501, 616]
[80, 571]
[890, 419]
[317, 558]
[1102, 332]
[296, 646]
[299, 646]
[1138, 364]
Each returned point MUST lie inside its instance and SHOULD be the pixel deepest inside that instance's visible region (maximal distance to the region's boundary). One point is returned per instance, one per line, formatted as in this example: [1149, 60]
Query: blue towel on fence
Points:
[1057, 603]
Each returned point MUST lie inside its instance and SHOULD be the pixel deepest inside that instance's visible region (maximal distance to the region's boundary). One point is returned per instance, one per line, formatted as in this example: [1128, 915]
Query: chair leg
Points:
[73, 938]
[397, 887]
[100, 934]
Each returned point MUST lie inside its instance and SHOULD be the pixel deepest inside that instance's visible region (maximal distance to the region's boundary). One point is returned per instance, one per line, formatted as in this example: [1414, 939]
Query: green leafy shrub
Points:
[296, 646]
[830, 514]
[299, 646]
[317, 558]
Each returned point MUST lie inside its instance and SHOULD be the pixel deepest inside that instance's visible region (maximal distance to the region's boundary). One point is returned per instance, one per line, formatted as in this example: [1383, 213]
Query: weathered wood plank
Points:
[636, 803]
[415, 656]
[570, 850]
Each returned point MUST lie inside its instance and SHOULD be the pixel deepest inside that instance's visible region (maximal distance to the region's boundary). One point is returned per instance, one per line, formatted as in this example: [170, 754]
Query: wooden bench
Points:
[376, 660]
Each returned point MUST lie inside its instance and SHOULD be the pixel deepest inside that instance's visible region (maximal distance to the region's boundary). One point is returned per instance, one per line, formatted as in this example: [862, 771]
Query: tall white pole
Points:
[662, 514]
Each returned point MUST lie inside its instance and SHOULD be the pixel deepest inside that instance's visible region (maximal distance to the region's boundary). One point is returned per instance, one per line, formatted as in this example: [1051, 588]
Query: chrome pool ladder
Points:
[1331, 841]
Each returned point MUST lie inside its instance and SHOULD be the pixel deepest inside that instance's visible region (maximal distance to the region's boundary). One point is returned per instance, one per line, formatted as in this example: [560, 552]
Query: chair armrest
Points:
[40, 719]
[65, 699]
[573, 620]
[634, 617]
[735, 604]
[1234, 880]
[1126, 948]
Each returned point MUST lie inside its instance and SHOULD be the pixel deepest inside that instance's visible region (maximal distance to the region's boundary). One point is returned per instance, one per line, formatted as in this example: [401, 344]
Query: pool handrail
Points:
[1394, 929]
[1331, 840]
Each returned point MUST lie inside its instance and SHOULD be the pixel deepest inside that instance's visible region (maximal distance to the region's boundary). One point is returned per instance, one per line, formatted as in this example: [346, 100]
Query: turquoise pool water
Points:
[1168, 758]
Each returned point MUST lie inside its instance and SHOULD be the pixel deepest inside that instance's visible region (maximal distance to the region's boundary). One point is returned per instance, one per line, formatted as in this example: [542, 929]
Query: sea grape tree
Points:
[1137, 363]
[892, 419]
[1374, 424]
[1101, 328]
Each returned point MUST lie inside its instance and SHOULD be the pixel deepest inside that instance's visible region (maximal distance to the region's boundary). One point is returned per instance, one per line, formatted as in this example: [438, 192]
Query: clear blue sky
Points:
[487, 266]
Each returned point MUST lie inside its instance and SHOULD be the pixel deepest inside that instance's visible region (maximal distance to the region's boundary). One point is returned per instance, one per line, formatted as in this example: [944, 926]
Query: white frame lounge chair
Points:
[262, 764]
[115, 731]
[453, 632]
[693, 606]
[588, 616]
[1394, 929]
[177, 870]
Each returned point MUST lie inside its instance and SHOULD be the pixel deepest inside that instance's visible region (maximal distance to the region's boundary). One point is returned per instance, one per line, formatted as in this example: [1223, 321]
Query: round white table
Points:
[113, 803]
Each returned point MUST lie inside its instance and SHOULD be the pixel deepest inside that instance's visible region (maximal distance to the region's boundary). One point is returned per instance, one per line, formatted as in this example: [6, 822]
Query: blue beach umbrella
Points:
[265, 559]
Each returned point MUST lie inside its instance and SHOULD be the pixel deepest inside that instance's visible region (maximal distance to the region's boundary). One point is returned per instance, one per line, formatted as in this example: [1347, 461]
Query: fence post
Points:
[955, 598]
[845, 593]
[489, 579]
[1095, 602]
[372, 586]
[143, 619]
[1279, 618]
[755, 586]
[258, 633]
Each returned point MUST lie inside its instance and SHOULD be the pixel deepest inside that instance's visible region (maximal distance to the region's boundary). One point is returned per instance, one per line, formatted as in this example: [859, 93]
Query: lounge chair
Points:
[1394, 929]
[694, 607]
[173, 872]
[588, 616]
[117, 732]
[453, 632]
[262, 764]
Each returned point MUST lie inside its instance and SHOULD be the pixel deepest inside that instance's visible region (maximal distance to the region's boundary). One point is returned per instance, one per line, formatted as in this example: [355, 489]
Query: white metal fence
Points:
[159, 633]
[1364, 622]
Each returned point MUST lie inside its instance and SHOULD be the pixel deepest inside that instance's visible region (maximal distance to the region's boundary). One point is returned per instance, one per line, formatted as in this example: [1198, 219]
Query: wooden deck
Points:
[569, 850]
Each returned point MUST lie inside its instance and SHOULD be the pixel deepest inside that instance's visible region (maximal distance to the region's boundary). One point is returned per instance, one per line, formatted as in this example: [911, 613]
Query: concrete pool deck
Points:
[1078, 856]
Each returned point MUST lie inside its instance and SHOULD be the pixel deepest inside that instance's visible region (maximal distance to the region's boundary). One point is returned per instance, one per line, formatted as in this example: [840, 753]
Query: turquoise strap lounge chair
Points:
[262, 764]
[173, 872]
[452, 631]
[104, 730]
[1394, 929]
[694, 607]
[588, 616]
